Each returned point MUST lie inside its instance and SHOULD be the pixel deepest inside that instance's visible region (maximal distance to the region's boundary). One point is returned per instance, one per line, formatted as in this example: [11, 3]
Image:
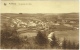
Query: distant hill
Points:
[41, 16]
[70, 15]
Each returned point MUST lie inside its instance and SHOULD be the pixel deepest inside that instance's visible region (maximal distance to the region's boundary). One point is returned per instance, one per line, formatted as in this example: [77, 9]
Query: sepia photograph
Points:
[39, 24]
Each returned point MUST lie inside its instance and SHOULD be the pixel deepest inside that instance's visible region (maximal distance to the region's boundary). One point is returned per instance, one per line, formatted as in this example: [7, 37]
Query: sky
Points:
[39, 6]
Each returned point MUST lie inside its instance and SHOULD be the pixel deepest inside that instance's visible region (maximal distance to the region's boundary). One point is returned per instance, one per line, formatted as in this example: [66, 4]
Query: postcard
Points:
[40, 24]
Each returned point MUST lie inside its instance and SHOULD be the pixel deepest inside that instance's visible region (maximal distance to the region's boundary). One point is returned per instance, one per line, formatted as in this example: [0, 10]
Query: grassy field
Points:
[72, 35]
[28, 34]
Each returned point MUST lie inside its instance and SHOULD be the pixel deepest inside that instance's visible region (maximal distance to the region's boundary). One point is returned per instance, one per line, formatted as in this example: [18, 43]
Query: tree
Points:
[54, 42]
[64, 44]
[69, 45]
[77, 46]
[41, 38]
[73, 45]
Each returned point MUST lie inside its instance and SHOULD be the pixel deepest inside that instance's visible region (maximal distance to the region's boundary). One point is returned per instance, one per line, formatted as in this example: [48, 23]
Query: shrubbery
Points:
[54, 43]
[41, 39]
[9, 37]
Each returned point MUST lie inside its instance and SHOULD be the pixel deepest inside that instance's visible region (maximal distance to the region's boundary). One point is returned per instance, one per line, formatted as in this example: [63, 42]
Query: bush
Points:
[9, 37]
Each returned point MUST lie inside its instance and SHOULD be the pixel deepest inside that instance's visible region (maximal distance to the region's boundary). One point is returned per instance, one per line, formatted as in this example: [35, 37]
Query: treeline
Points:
[55, 43]
[10, 39]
